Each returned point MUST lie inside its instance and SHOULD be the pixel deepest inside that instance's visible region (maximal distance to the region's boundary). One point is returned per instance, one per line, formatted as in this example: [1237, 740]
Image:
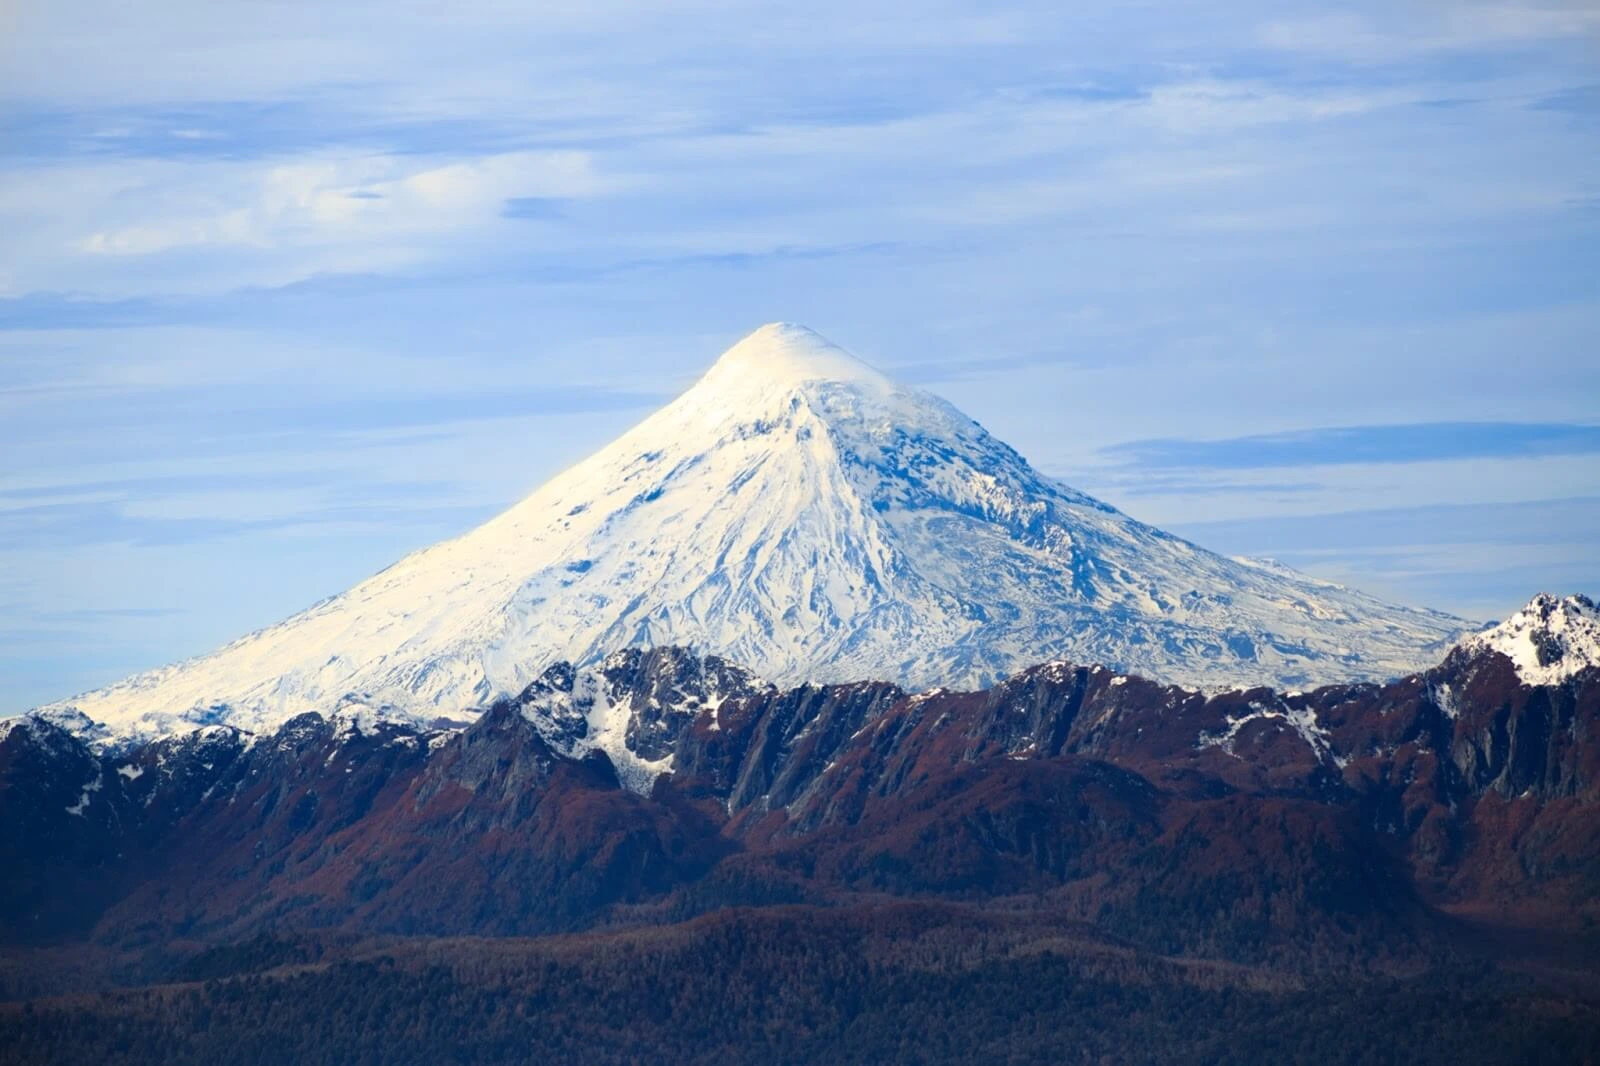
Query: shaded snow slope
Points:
[801, 514]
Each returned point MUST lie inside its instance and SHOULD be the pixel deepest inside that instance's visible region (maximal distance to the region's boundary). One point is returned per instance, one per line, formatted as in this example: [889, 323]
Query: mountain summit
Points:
[1548, 641]
[782, 354]
[799, 513]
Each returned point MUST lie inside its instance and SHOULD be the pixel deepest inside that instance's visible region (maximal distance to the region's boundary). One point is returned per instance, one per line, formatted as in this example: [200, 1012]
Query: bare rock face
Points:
[1520, 698]
[59, 831]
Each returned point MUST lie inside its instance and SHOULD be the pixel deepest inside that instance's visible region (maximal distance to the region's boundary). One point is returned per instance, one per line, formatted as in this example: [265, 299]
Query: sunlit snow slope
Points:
[1549, 640]
[802, 515]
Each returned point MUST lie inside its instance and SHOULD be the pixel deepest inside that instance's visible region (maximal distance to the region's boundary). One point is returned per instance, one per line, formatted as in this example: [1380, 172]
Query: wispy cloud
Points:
[82, 524]
[1409, 30]
[1520, 523]
[343, 200]
[1418, 442]
[1480, 560]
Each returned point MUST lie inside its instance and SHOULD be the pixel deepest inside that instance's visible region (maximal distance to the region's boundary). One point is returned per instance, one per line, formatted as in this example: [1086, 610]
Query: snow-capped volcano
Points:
[800, 514]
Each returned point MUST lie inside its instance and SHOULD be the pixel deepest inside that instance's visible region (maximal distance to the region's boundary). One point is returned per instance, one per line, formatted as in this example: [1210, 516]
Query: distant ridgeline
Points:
[658, 784]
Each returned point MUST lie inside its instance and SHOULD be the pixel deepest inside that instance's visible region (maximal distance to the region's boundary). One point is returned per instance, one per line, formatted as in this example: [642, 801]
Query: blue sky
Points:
[290, 289]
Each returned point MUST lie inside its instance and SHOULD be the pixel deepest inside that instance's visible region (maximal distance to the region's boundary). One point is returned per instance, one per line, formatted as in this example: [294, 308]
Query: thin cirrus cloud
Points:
[1415, 443]
[1453, 28]
[222, 421]
[1544, 522]
[210, 130]
[84, 524]
[1511, 549]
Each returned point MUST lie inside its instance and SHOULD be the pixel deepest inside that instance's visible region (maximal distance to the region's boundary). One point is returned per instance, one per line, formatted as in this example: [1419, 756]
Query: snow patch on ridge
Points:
[584, 718]
[631, 706]
[94, 785]
[1303, 720]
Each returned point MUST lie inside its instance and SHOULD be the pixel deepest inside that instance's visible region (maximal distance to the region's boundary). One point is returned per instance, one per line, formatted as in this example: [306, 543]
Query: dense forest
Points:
[1070, 867]
[891, 984]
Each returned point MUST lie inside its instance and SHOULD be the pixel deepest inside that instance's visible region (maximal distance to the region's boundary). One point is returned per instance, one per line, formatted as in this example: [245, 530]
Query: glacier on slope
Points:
[798, 513]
